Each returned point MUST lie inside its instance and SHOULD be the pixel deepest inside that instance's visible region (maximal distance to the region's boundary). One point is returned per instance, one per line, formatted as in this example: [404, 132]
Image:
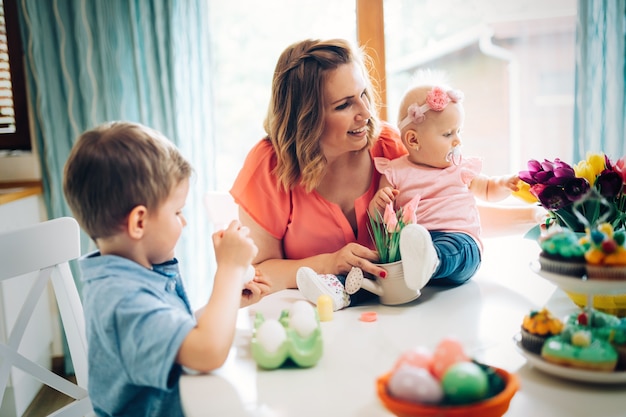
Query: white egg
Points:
[301, 306]
[271, 335]
[249, 275]
[303, 323]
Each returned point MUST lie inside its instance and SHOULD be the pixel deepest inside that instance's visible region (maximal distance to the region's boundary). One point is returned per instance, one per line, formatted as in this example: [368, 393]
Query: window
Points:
[14, 128]
[514, 61]
[247, 38]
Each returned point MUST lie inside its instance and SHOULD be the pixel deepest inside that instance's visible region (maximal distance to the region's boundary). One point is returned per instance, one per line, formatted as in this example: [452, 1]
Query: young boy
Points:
[126, 185]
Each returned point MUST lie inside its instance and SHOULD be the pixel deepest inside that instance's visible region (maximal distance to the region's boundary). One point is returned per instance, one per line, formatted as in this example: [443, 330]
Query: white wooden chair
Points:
[46, 248]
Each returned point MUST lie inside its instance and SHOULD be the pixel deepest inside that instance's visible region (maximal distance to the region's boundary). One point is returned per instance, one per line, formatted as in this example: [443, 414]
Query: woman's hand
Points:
[357, 255]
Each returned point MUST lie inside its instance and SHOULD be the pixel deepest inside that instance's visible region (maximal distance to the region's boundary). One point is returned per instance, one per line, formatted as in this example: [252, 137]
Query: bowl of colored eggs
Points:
[445, 383]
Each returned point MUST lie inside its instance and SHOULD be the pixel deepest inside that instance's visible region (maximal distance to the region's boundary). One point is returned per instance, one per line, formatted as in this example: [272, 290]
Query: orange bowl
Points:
[494, 406]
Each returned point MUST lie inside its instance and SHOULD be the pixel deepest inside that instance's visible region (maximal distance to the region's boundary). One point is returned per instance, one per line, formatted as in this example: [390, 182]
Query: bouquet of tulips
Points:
[385, 230]
[579, 196]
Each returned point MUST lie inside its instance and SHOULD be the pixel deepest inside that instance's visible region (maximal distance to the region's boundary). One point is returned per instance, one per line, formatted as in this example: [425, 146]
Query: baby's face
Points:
[438, 135]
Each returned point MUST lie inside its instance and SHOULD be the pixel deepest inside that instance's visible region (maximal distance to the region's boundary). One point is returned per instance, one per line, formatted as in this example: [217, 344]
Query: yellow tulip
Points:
[591, 167]
[584, 170]
[596, 162]
[524, 193]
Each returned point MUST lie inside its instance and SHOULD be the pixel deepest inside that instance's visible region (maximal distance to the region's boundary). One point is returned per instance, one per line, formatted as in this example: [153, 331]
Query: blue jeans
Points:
[459, 258]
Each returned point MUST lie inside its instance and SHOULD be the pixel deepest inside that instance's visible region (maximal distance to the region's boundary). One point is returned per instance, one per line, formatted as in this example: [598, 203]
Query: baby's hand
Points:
[381, 199]
[511, 182]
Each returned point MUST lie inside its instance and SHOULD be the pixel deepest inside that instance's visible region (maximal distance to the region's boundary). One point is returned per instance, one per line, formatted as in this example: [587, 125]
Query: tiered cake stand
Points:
[581, 286]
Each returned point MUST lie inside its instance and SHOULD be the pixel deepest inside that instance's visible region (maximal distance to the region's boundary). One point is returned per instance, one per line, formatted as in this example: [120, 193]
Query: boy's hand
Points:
[233, 246]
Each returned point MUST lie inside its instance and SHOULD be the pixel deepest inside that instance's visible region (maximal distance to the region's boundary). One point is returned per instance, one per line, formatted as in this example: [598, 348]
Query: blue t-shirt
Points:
[136, 320]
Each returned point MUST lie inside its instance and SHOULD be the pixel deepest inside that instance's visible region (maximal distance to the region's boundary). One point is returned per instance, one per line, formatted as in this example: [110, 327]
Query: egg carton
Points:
[302, 351]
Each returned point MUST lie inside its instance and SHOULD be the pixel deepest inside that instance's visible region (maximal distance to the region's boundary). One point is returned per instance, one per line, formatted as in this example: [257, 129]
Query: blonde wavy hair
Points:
[295, 116]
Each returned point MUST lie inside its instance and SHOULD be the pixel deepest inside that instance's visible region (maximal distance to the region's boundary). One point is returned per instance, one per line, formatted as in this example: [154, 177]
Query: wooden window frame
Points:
[370, 22]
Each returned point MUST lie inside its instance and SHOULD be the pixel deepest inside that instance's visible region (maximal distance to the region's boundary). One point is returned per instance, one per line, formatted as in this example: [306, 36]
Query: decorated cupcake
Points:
[603, 326]
[580, 349]
[619, 343]
[606, 254]
[562, 252]
[537, 327]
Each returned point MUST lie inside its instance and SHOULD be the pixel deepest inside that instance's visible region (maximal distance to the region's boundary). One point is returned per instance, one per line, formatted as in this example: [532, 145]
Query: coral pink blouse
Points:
[307, 224]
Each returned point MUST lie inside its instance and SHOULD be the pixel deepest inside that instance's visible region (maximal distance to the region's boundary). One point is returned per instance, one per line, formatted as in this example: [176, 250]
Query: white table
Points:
[484, 314]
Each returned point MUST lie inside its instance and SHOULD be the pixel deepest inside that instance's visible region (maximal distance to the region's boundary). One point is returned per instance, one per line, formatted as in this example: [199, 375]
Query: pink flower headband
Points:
[437, 99]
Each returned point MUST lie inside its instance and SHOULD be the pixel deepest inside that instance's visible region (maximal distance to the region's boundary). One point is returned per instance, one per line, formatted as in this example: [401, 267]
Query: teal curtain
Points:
[600, 106]
[91, 61]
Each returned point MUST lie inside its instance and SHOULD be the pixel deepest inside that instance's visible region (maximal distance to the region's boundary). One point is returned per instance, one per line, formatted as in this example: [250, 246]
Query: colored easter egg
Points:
[249, 275]
[416, 385]
[464, 383]
[447, 353]
[418, 357]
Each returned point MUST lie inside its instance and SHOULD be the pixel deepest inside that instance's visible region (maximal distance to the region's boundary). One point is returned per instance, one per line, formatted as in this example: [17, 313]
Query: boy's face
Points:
[165, 225]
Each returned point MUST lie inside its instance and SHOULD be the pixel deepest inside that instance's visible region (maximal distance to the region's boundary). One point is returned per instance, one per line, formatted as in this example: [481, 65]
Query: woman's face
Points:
[346, 109]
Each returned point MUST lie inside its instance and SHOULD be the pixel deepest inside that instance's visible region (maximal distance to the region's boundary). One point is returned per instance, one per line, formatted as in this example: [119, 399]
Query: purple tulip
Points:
[575, 188]
[528, 176]
[553, 197]
[547, 165]
[547, 172]
[609, 183]
[537, 189]
[544, 177]
[563, 169]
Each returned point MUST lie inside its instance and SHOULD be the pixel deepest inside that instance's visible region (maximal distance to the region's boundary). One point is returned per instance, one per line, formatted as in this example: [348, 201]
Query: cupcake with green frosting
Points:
[603, 326]
[562, 252]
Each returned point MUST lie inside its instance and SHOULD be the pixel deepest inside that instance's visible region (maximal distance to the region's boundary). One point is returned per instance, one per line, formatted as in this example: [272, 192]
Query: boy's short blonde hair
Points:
[115, 167]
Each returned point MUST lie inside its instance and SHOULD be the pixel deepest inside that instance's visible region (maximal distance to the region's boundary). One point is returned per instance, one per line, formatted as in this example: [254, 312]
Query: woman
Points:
[304, 189]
